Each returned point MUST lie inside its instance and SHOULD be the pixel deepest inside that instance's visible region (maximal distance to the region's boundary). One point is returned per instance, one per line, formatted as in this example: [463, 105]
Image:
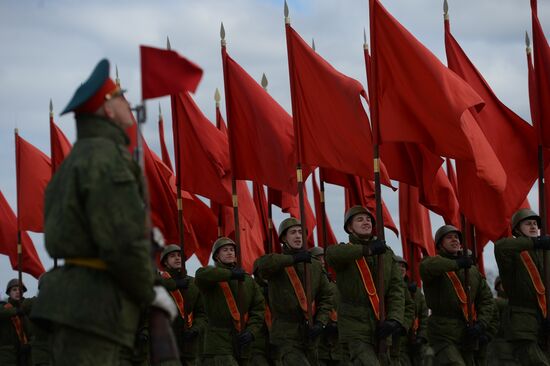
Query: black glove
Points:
[302, 257]
[545, 326]
[476, 330]
[417, 344]
[189, 335]
[387, 328]
[19, 311]
[331, 329]
[374, 247]
[245, 337]
[542, 242]
[316, 330]
[237, 274]
[464, 262]
[142, 337]
[25, 348]
[412, 287]
[182, 283]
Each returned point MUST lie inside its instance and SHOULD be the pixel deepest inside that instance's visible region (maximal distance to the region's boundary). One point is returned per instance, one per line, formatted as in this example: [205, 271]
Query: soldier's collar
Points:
[90, 125]
[354, 239]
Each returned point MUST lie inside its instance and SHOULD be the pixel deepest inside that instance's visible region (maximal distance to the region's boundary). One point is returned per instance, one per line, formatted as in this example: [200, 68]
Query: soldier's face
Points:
[293, 237]
[14, 293]
[118, 110]
[529, 228]
[226, 254]
[361, 225]
[403, 269]
[451, 243]
[173, 260]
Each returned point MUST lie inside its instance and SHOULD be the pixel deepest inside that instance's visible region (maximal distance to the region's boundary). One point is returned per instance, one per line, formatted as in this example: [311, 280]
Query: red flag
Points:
[59, 145]
[512, 139]
[260, 200]
[164, 151]
[164, 72]
[260, 131]
[331, 238]
[34, 170]
[204, 154]
[423, 102]
[30, 262]
[334, 130]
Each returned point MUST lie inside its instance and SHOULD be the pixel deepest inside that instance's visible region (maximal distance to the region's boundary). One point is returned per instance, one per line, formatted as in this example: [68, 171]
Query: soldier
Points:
[295, 340]
[94, 220]
[14, 327]
[356, 267]
[452, 340]
[418, 338]
[520, 263]
[330, 350]
[228, 337]
[262, 353]
[191, 320]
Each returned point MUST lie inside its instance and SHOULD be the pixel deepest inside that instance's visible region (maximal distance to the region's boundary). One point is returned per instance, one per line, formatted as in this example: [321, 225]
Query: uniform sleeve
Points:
[342, 254]
[492, 329]
[256, 311]
[116, 216]
[485, 305]
[324, 298]
[507, 247]
[422, 317]
[200, 319]
[6, 313]
[270, 264]
[168, 283]
[408, 315]
[395, 294]
[433, 267]
[209, 276]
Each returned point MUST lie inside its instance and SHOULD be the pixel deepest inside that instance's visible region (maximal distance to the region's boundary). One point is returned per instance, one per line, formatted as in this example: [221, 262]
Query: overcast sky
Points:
[50, 47]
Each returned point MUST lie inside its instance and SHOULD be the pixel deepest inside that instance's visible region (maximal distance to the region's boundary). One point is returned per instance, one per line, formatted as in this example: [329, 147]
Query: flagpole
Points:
[264, 83]
[323, 213]
[19, 246]
[299, 174]
[372, 87]
[221, 229]
[52, 155]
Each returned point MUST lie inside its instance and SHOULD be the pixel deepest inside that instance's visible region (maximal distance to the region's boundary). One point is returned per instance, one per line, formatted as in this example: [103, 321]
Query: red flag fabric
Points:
[202, 148]
[164, 72]
[59, 145]
[30, 262]
[260, 200]
[512, 139]
[163, 150]
[334, 130]
[444, 124]
[261, 134]
[331, 238]
[33, 170]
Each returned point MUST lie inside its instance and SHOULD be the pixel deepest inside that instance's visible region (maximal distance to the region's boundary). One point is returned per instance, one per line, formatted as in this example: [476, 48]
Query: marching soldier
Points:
[191, 320]
[295, 340]
[330, 350]
[94, 220]
[520, 263]
[356, 268]
[452, 340]
[262, 352]
[228, 337]
[15, 334]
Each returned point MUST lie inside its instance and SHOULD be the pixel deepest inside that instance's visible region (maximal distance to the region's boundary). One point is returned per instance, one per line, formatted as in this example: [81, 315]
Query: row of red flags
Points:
[494, 149]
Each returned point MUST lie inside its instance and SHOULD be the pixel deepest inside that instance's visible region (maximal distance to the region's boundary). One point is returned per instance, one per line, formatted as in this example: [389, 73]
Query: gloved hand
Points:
[164, 302]
[182, 283]
[19, 311]
[142, 337]
[374, 247]
[412, 287]
[387, 328]
[190, 334]
[331, 329]
[316, 330]
[237, 274]
[464, 262]
[302, 256]
[476, 330]
[245, 337]
[545, 326]
[542, 242]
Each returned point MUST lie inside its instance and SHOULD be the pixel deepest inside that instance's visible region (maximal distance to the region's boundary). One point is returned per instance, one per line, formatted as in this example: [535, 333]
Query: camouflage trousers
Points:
[450, 354]
[529, 353]
[359, 353]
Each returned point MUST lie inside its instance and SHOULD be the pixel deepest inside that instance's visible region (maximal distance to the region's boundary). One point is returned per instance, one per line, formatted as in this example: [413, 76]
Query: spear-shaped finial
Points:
[51, 108]
[365, 44]
[287, 18]
[264, 81]
[222, 35]
[117, 80]
[16, 131]
[168, 46]
[160, 112]
[217, 97]
[446, 9]
[527, 43]
[313, 43]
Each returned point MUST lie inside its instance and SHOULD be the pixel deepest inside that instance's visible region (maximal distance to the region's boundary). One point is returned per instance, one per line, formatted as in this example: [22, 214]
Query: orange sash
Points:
[535, 279]
[368, 283]
[298, 288]
[461, 294]
[268, 317]
[333, 315]
[178, 299]
[232, 305]
[416, 323]
[16, 321]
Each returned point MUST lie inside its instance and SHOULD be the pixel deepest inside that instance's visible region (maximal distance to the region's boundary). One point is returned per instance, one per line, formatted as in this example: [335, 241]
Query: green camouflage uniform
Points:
[400, 340]
[447, 325]
[523, 317]
[220, 341]
[330, 349]
[289, 332]
[12, 351]
[499, 351]
[357, 322]
[40, 340]
[94, 209]
[189, 350]
[412, 348]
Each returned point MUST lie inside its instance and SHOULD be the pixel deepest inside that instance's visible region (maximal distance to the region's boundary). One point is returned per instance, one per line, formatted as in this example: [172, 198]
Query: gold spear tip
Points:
[445, 9]
[264, 81]
[117, 80]
[287, 18]
[51, 106]
[222, 34]
[527, 40]
[217, 96]
[168, 46]
[313, 43]
[160, 112]
[16, 131]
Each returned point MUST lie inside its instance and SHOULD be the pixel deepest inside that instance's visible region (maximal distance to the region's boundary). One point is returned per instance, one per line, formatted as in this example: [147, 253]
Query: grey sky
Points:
[49, 47]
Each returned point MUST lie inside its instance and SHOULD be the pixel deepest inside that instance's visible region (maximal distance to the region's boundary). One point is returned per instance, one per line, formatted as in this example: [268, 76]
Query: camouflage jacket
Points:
[94, 209]
[8, 334]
